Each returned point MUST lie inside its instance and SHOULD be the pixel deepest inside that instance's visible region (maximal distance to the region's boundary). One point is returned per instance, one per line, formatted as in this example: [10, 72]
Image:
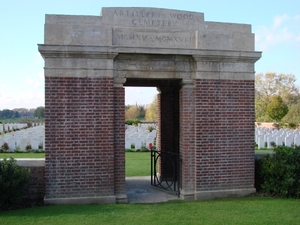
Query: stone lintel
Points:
[226, 56]
[81, 200]
[81, 72]
[69, 51]
[225, 76]
[232, 193]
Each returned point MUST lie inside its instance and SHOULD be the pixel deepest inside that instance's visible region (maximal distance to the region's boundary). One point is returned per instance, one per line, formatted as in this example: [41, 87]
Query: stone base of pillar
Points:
[81, 200]
[187, 196]
[232, 193]
[121, 199]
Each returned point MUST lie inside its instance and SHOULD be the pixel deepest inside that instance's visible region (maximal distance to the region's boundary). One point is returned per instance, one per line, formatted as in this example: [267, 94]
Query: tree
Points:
[132, 113]
[8, 114]
[39, 112]
[293, 116]
[277, 109]
[151, 111]
[142, 112]
[271, 84]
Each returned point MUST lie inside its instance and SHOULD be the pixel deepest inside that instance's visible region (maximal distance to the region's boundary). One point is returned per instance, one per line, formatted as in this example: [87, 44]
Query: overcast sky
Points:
[276, 25]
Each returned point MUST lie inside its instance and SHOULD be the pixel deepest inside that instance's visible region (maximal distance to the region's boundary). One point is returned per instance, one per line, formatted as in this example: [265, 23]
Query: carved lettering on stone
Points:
[152, 18]
[153, 39]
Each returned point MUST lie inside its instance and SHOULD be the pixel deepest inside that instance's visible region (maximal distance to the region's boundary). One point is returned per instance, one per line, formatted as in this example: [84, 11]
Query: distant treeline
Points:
[21, 113]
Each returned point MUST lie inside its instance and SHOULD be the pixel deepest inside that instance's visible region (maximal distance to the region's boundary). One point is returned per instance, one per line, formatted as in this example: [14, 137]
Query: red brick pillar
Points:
[119, 140]
[187, 139]
[79, 128]
[169, 128]
[224, 128]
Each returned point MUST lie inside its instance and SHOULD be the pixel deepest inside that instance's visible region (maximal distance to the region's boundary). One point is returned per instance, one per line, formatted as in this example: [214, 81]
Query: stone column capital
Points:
[187, 83]
[119, 81]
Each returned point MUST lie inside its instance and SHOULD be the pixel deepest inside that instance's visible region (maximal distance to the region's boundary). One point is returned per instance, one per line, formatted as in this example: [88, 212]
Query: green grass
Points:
[263, 151]
[22, 155]
[137, 164]
[258, 211]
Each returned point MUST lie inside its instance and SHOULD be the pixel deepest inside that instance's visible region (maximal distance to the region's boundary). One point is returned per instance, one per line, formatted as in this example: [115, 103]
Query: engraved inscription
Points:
[155, 23]
[153, 18]
[131, 37]
[182, 16]
[136, 14]
[155, 38]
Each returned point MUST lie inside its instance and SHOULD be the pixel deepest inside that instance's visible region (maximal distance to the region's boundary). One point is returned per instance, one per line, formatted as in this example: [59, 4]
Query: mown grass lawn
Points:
[135, 155]
[137, 163]
[22, 155]
[250, 210]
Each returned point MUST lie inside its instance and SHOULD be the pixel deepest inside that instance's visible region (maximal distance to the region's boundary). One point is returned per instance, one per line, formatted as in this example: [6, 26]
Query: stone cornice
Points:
[110, 52]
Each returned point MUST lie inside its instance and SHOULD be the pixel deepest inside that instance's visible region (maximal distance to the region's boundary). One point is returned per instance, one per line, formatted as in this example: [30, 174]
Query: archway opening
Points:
[167, 129]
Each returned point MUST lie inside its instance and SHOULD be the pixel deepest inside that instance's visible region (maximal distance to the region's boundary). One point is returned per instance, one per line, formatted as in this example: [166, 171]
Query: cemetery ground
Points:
[248, 210]
[137, 163]
[255, 209]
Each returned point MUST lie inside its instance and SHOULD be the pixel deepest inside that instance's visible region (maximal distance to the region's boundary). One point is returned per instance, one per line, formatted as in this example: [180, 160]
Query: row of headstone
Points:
[33, 136]
[12, 126]
[140, 136]
[9, 127]
[266, 137]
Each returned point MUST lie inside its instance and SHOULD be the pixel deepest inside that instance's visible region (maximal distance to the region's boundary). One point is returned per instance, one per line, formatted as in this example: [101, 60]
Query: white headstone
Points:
[289, 141]
[11, 144]
[280, 140]
[1, 142]
[297, 140]
[35, 143]
[261, 142]
[127, 143]
[22, 144]
[138, 144]
[270, 141]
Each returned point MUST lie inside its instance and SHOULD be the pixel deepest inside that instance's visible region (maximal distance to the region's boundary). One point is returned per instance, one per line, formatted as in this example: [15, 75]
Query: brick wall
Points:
[224, 128]
[36, 187]
[79, 129]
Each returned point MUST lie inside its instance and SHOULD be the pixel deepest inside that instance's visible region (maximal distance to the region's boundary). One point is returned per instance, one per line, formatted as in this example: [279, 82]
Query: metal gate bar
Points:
[168, 176]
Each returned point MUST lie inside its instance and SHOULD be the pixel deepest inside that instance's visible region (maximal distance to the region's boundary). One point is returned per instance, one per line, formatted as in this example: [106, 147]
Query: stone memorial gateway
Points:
[204, 72]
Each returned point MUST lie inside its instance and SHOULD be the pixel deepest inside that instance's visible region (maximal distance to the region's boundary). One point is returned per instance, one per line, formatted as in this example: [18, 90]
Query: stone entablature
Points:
[147, 27]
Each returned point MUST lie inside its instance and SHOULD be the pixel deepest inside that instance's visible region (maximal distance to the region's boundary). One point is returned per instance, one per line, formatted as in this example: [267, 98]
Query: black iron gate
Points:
[165, 170]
